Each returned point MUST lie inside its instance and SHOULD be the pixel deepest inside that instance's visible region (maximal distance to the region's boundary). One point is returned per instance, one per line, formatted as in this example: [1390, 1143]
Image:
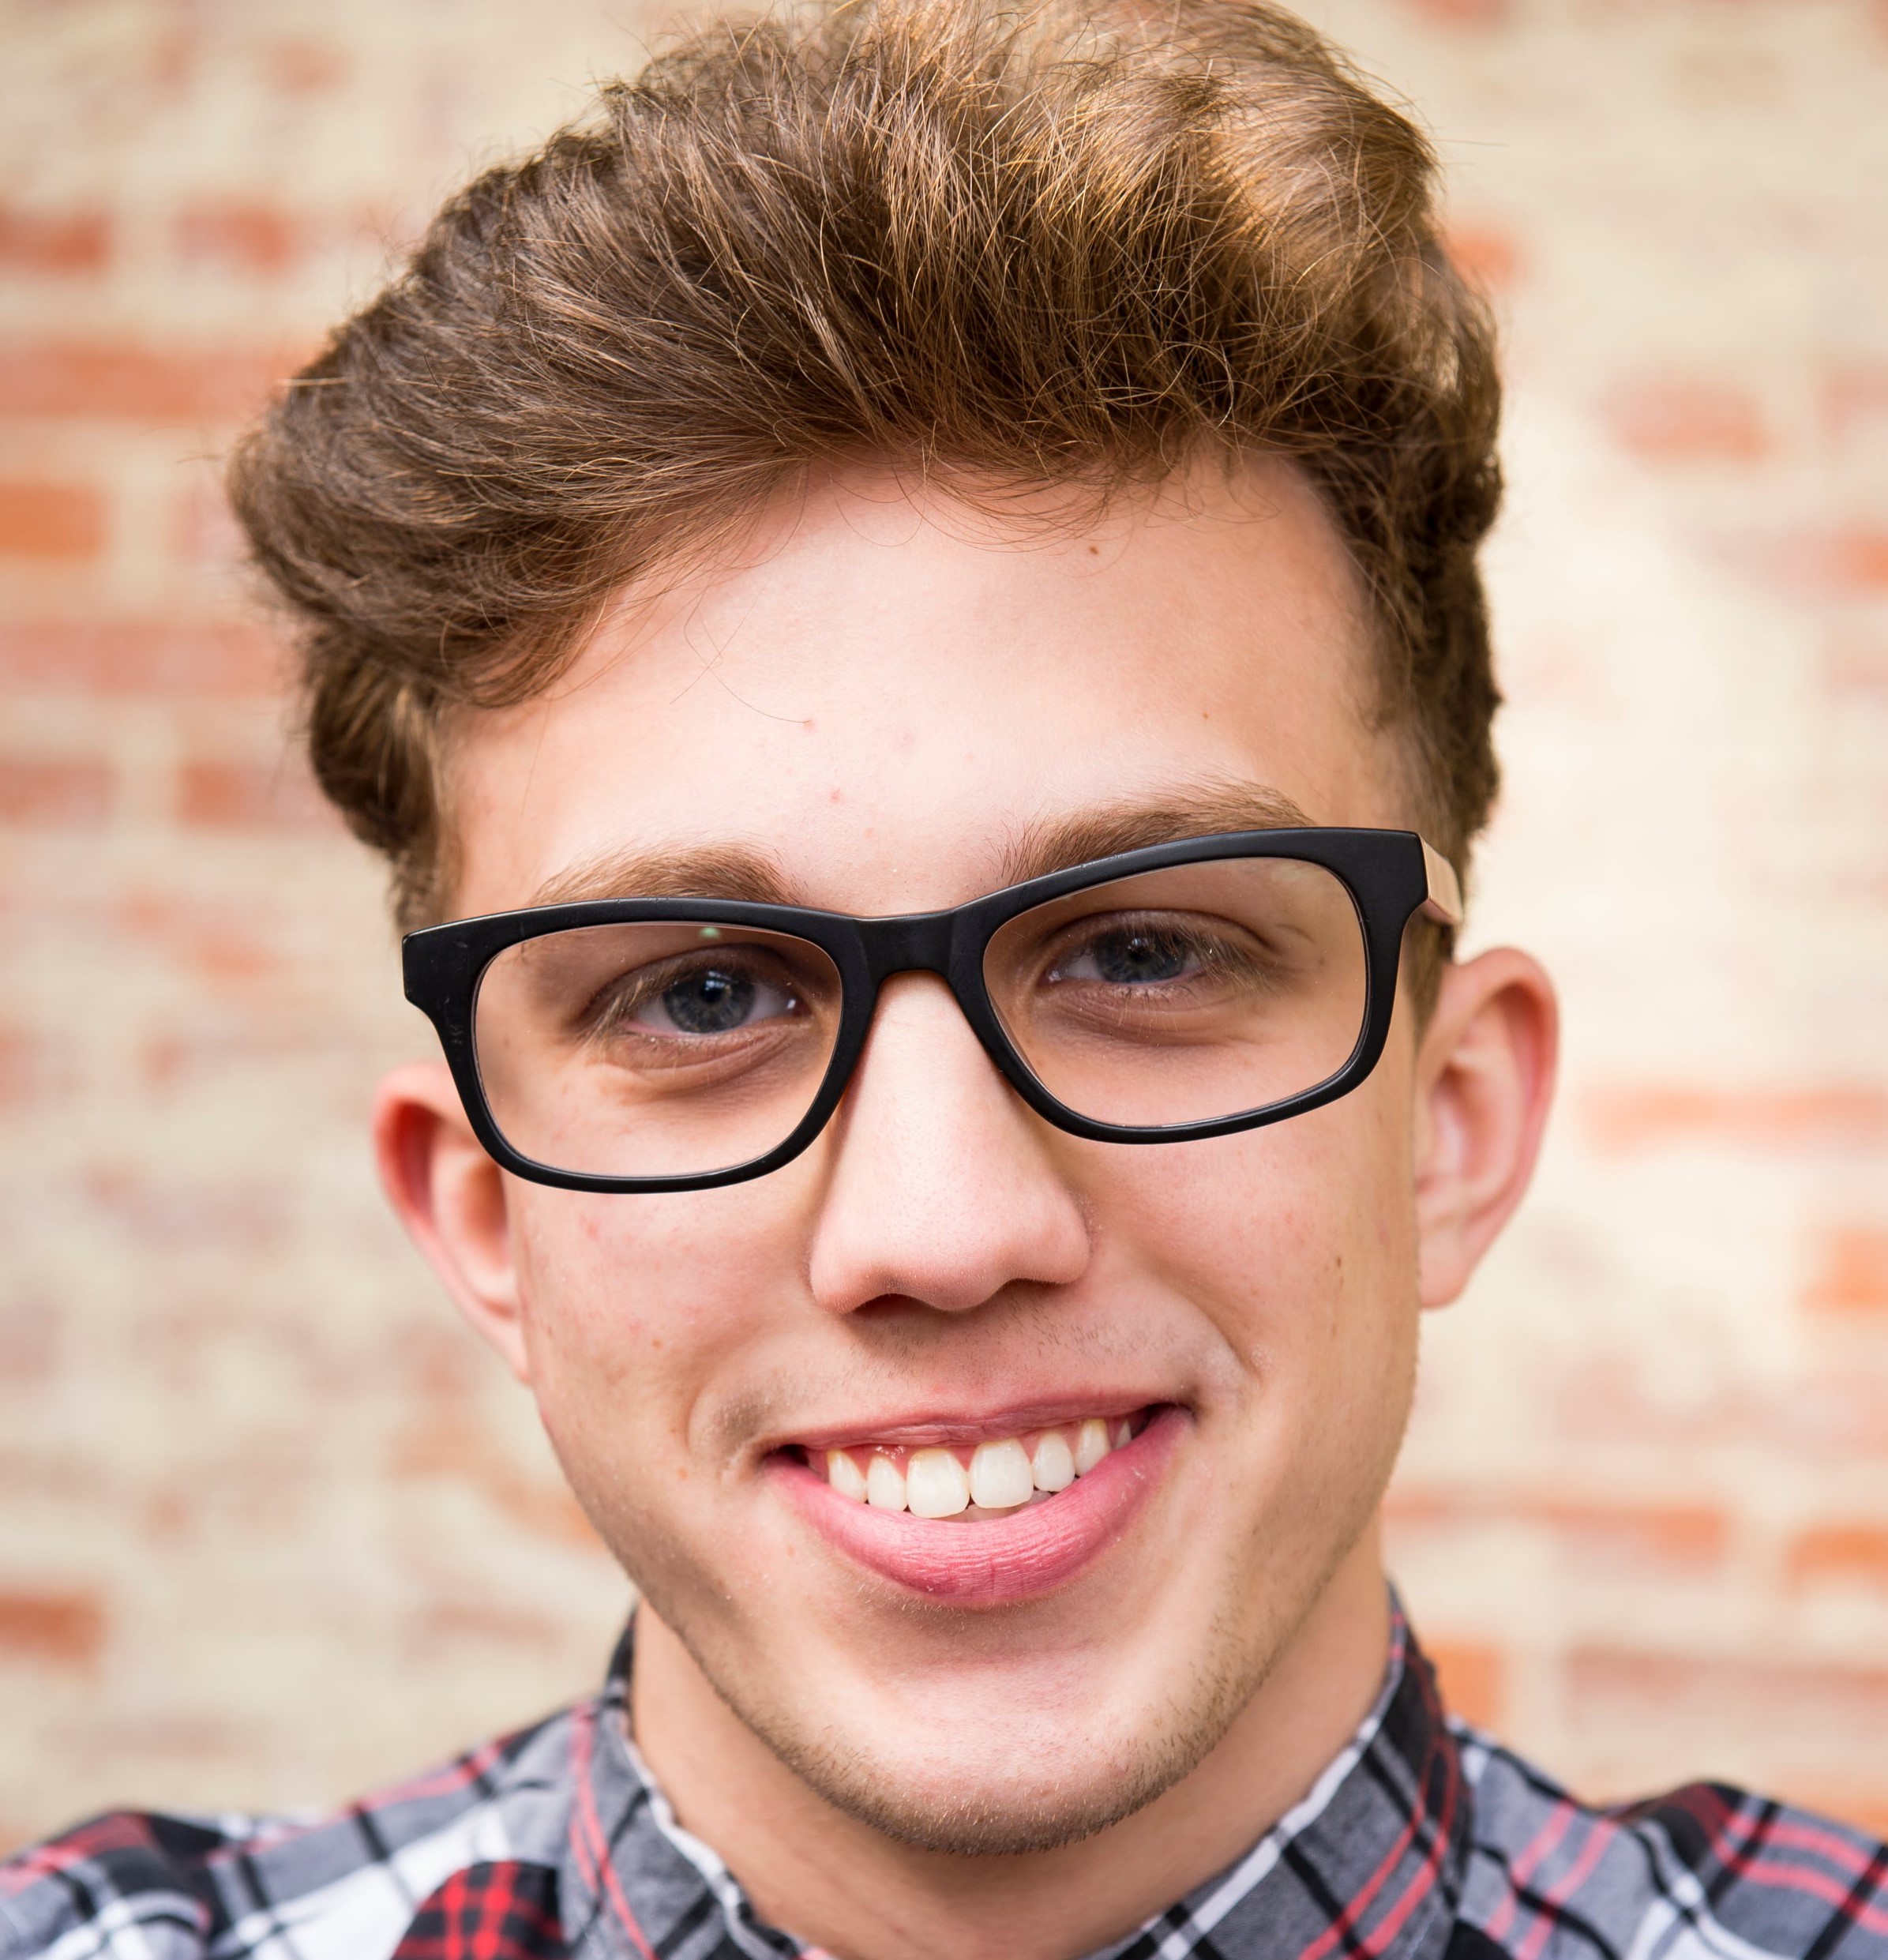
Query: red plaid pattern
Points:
[1422, 1841]
[505, 1911]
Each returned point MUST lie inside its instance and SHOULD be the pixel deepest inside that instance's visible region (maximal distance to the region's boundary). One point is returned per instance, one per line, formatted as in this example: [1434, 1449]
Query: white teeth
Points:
[884, 1485]
[936, 1486]
[1004, 1474]
[999, 1475]
[1053, 1465]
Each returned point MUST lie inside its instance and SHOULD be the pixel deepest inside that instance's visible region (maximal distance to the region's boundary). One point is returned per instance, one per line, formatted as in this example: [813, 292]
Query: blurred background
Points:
[272, 1528]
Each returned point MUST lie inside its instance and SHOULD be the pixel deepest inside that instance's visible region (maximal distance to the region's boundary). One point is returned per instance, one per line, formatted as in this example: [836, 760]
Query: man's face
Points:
[889, 708]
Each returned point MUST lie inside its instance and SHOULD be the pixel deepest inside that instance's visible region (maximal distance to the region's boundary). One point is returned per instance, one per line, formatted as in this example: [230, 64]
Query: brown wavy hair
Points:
[1049, 244]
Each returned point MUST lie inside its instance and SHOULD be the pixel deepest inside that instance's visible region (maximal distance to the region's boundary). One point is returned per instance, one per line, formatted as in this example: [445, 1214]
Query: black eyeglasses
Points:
[1187, 990]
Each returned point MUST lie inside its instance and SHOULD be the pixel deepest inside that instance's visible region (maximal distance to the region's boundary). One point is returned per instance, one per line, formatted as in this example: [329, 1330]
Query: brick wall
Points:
[272, 1528]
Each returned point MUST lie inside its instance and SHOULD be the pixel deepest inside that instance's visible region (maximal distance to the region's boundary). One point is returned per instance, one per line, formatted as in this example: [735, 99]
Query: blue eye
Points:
[710, 1002]
[717, 998]
[1133, 956]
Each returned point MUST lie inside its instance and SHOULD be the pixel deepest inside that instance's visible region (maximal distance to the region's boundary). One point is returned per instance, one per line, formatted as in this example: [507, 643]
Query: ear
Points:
[451, 1198]
[1485, 1079]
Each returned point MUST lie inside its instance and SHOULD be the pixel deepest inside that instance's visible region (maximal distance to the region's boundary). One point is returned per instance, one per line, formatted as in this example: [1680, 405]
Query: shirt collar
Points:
[1368, 1863]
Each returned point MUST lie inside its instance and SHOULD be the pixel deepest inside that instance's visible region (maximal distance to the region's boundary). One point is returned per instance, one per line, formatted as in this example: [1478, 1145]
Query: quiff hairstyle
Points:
[998, 247]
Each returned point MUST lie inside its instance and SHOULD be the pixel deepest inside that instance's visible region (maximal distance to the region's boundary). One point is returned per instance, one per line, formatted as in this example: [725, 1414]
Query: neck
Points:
[839, 1884]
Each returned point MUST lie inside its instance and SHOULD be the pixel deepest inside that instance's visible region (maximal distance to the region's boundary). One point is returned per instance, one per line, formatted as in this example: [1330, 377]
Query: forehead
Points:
[885, 690]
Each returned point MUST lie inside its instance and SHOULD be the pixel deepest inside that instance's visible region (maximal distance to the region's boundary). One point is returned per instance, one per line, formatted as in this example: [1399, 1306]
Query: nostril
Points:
[890, 1306]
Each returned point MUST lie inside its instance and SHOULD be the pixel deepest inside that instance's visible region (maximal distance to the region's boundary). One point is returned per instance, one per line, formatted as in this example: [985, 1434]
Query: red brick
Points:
[432, 1364]
[1488, 254]
[1666, 1535]
[122, 381]
[1462, 13]
[189, 1736]
[1655, 1115]
[232, 957]
[32, 1068]
[1662, 1535]
[69, 1475]
[1850, 1554]
[1863, 1806]
[443, 1622]
[171, 63]
[139, 656]
[57, 794]
[203, 530]
[1603, 1398]
[1854, 402]
[50, 521]
[190, 1063]
[170, 1215]
[1472, 1678]
[1855, 667]
[212, 940]
[302, 66]
[53, 241]
[1694, 9]
[248, 796]
[450, 1445]
[1671, 418]
[1857, 559]
[1851, 1273]
[29, 1342]
[1798, 1714]
[1841, 565]
[64, 1630]
[256, 239]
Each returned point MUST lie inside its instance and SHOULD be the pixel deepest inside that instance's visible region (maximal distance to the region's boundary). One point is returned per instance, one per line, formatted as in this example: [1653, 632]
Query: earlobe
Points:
[1484, 1080]
[451, 1198]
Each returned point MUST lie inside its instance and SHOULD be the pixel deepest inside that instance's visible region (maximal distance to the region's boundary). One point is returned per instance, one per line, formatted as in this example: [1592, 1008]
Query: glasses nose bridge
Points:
[919, 942]
[909, 942]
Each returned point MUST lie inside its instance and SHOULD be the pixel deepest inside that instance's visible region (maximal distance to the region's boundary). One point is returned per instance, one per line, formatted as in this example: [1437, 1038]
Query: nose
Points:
[944, 1187]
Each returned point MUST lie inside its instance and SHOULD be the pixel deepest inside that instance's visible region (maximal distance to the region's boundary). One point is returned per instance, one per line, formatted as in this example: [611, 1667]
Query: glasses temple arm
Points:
[1444, 902]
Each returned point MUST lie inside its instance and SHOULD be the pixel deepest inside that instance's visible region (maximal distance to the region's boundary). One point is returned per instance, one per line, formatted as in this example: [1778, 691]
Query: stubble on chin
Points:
[999, 1807]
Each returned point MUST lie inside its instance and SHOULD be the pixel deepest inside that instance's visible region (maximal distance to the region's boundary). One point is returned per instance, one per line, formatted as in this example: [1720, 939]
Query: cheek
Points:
[633, 1307]
[1297, 1242]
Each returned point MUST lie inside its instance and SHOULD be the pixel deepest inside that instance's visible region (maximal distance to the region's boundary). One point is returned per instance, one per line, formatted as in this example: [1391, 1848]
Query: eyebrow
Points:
[1055, 843]
[750, 876]
[715, 871]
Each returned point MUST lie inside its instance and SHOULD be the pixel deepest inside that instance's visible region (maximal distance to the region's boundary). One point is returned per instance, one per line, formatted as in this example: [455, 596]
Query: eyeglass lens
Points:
[678, 1047]
[1181, 995]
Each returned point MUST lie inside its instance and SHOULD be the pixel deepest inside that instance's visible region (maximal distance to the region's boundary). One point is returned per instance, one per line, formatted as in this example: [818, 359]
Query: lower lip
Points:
[997, 1561]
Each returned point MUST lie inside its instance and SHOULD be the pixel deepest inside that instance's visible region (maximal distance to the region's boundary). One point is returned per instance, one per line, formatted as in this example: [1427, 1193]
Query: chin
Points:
[1026, 1761]
[992, 1804]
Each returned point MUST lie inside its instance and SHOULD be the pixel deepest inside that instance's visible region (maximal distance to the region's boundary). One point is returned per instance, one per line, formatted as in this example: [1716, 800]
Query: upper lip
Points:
[935, 1427]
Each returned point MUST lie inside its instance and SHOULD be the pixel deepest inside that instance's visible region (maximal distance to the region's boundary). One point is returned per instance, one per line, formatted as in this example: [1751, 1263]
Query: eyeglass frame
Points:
[1391, 875]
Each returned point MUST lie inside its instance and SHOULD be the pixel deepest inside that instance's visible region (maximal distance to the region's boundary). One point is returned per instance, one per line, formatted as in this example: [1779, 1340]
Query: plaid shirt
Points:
[1423, 1841]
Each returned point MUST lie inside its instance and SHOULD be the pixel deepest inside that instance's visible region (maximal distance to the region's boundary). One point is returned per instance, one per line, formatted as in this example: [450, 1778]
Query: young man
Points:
[903, 603]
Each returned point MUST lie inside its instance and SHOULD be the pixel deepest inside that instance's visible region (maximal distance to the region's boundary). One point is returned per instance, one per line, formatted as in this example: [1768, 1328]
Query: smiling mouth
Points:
[967, 1483]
